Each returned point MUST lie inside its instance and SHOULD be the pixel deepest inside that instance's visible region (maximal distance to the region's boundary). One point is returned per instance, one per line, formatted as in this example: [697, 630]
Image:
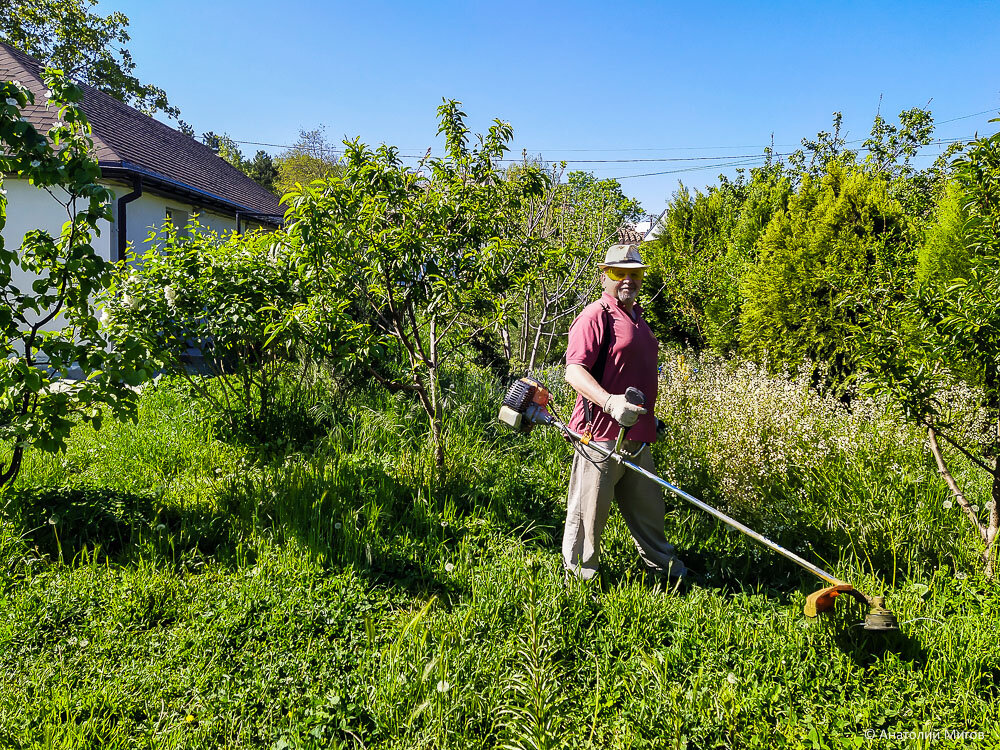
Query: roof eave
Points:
[162, 185]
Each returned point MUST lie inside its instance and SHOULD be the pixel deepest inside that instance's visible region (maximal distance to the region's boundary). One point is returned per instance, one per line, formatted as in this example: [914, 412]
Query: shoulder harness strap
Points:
[597, 372]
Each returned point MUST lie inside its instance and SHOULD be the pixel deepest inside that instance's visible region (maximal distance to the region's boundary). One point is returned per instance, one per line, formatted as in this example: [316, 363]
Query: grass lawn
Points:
[163, 585]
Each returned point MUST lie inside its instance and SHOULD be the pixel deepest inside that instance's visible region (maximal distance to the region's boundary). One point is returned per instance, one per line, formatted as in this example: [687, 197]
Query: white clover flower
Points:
[449, 567]
[947, 503]
[443, 686]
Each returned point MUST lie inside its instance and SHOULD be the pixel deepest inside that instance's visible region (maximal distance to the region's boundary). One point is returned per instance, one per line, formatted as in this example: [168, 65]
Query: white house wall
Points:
[31, 208]
[149, 212]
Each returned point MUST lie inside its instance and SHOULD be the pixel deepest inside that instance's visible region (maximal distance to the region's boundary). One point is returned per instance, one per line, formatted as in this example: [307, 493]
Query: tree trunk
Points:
[963, 503]
[436, 413]
[14, 469]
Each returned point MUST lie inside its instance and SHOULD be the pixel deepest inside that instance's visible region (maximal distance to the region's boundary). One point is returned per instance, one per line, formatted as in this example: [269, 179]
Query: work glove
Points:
[624, 413]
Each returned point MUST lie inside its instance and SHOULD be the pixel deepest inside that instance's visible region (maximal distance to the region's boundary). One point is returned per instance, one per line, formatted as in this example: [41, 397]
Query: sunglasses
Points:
[619, 274]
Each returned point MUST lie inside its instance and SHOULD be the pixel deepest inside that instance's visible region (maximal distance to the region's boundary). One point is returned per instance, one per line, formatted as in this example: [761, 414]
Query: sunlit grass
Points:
[184, 590]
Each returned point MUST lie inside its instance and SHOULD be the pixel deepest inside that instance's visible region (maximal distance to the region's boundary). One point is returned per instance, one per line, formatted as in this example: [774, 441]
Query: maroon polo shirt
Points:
[631, 361]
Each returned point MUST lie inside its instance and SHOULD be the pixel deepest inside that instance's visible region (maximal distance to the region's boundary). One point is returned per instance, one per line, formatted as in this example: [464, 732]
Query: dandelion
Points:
[947, 503]
[443, 686]
[449, 567]
[53, 520]
[189, 718]
[731, 678]
[161, 527]
[975, 508]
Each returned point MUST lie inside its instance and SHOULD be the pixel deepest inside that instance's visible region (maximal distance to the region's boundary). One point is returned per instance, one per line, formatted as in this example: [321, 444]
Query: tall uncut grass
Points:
[164, 585]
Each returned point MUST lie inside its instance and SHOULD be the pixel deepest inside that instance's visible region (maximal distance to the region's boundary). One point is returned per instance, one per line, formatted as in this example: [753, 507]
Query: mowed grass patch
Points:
[346, 594]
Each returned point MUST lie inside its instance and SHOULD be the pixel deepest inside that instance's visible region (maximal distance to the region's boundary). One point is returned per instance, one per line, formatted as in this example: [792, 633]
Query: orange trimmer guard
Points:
[824, 599]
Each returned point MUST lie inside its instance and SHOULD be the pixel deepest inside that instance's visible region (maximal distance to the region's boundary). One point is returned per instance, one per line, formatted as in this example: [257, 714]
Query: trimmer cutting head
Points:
[878, 617]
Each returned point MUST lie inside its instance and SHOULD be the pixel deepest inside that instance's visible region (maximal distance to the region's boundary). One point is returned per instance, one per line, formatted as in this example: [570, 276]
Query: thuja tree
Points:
[947, 334]
[839, 250]
[421, 255]
[38, 403]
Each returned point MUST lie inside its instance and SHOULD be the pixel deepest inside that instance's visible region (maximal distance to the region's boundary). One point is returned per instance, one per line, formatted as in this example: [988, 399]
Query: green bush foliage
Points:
[50, 331]
[421, 257]
[947, 332]
[233, 307]
[842, 247]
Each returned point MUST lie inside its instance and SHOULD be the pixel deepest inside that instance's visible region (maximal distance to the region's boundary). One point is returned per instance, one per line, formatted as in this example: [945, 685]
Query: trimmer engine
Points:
[525, 404]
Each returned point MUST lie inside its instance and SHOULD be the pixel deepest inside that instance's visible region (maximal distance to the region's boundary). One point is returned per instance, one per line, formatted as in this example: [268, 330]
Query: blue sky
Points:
[704, 82]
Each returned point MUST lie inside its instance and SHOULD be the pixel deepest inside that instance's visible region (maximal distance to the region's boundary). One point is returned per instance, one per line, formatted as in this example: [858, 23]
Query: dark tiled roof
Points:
[627, 235]
[128, 141]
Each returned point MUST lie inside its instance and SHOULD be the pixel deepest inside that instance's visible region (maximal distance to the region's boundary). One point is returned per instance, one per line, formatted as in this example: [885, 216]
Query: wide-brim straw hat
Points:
[623, 256]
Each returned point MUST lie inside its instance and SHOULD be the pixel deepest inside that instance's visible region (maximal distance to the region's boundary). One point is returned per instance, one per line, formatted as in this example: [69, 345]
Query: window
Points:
[179, 219]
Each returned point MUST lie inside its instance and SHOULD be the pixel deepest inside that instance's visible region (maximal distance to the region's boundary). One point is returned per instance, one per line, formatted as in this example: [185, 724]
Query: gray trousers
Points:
[591, 490]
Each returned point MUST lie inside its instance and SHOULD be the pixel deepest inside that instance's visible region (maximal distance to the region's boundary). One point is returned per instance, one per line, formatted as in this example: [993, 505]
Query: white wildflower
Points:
[731, 678]
[443, 686]
[127, 301]
[975, 508]
[48, 93]
[449, 567]
[947, 503]
[171, 295]
[961, 576]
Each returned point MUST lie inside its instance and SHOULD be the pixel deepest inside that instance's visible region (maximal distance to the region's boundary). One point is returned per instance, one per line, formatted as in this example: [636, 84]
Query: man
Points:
[611, 348]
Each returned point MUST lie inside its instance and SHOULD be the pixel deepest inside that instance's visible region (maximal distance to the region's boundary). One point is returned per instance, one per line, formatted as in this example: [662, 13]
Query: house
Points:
[156, 173]
[649, 228]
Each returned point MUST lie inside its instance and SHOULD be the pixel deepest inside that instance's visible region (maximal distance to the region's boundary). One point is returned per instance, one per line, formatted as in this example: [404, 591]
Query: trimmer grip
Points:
[635, 396]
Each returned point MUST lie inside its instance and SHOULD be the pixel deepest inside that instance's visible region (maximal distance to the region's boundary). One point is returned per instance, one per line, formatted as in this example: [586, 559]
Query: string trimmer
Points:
[527, 404]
